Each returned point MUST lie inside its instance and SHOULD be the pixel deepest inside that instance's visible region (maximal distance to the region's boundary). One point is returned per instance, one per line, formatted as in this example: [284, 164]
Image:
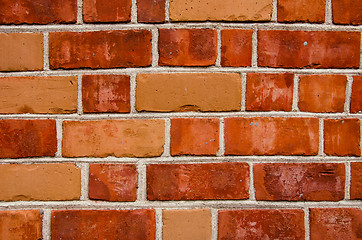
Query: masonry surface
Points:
[180, 119]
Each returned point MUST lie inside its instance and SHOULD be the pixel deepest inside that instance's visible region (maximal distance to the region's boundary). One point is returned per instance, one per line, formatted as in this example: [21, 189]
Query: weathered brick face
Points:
[180, 119]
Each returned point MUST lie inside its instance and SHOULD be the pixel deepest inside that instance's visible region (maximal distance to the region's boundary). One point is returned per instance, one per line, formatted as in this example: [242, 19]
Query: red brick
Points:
[322, 93]
[151, 11]
[198, 181]
[356, 97]
[38, 11]
[119, 138]
[194, 136]
[106, 93]
[347, 12]
[103, 224]
[27, 138]
[21, 224]
[356, 180]
[101, 49]
[342, 137]
[308, 49]
[113, 182]
[271, 136]
[269, 92]
[335, 223]
[187, 47]
[299, 181]
[106, 11]
[236, 47]
[311, 11]
[261, 224]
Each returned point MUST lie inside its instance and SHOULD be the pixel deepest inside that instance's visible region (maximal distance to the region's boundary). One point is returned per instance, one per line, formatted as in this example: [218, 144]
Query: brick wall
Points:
[180, 119]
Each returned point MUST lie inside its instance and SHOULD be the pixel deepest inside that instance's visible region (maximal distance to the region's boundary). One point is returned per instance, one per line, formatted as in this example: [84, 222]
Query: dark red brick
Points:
[261, 224]
[106, 93]
[299, 181]
[347, 12]
[27, 138]
[308, 49]
[101, 49]
[356, 180]
[356, 97]
[198, 181]
[151, 11]
[106, 11]
[187, 47]
[310, 11]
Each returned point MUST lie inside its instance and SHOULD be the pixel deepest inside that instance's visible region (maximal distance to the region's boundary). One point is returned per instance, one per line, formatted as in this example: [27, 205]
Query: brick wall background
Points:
[180, 119]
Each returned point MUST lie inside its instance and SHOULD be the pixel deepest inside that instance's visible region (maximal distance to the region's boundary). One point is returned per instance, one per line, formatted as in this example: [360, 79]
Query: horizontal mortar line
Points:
[160, 115]
[219, 204]
[190, 159]
[125, 26]
[210, 69]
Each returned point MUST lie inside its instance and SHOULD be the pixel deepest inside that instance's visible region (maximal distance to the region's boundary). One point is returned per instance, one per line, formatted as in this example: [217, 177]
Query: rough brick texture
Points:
[113, 182]
[48, 182]
[236, 47]
[187, 47]
[27, 138]
[194, 136]
[308, 49]
[322, 93]
[342, 137]
[103, 224]
[335, 223]
[181, 92]
[311, 11]
[356, 180]
[119, 138]
[151, 11]
[106, 93]
[107, 11]
[196, 221]
[299, 181]
[38, 95]
[21, 51]
[38, 11]
[347, 12]
[356, 98]
[100, 49]
[21, 224]
[261, 224]
[268, 136]
[197, 181]
[269, 92]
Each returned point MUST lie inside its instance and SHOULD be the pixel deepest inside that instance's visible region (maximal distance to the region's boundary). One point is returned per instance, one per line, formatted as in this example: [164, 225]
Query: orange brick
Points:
[236, 47]
[38, 94]
[103, 224]
[187, 47]
[356, 180]
[27, 138]
[46, 182]
[113, 182]
[322, 93]
[21, 51]
[310, 11]
[198, 181]
[106, 11]
[356, 97]
[21, 224]
[268, 136]
[342, 137]
[261, 224]
[194, 136]
[119, 138]
[214, 10]
[335, 223]
[38, 11]
[299, 181]
[151, 11]
[106, 93]
[179, 92]
[100, 49]
[196, 221]
[308, 49]
[269, 92]
[347, 12]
